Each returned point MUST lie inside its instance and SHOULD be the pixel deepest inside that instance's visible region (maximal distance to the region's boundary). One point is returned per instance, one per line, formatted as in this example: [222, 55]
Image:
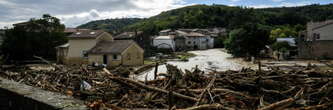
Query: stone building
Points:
[317, 40]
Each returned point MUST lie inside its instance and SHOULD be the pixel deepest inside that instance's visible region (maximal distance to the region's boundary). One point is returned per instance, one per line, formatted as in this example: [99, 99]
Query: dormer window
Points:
[92, 32]
[78, 33]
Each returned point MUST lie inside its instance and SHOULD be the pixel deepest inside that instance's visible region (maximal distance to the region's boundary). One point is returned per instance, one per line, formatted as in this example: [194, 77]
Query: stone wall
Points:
[316, 49]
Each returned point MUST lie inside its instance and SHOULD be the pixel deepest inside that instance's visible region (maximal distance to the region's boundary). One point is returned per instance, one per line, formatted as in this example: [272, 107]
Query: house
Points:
[165, 32]
[79, 43]
[292, 52]
[164, 42]
[115, 53]
[128, 35]
[96, 46]
[184, 39]
[317, 40]
[137, 36]
[193, 40]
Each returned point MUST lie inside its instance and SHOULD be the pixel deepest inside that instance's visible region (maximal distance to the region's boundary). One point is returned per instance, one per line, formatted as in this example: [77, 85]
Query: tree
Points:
[283, 32]
[281, 46]
[247, 41]
[37, 37]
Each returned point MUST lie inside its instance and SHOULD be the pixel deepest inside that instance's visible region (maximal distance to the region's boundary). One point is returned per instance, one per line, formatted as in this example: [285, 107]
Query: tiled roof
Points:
[72, 30]
[127, 35]
[318, 25]
[290, 41]
[86, 33]
[108, 47]
[164, 37]
[190, 34]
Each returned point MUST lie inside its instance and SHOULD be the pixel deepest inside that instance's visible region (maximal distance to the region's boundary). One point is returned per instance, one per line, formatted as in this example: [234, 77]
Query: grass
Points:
[184, 56]
[148, 62]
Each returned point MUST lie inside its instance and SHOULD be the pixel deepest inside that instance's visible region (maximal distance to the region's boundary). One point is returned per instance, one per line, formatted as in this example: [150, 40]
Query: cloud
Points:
[234, 0]
[284, 4]
[278, 0]
[76, 12]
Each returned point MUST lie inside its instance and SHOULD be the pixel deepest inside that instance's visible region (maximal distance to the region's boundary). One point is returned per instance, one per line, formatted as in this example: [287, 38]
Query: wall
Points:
[200, 42]
[180, 43]
[95, 58]
[326, 33]
[105, 37]
[322, 49]
[316, 49]
[164, 43]
[16, 96]
[78, 45]
[132, 56]
[61, 55]
[98, 58]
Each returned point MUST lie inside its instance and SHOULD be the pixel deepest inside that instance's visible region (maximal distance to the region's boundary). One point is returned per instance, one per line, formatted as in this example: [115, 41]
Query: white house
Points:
[196, 40]
[164, 42]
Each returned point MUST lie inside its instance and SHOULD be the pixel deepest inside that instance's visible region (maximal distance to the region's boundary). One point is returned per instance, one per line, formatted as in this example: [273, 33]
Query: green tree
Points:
[37, 37]
[247, 41]
[283, 32]
[281, 46]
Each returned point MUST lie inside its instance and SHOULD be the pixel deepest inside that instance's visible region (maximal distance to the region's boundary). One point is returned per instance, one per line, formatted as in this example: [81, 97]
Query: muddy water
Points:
[212, 59]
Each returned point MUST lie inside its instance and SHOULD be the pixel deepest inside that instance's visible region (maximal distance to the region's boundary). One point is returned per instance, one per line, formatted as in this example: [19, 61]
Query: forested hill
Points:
[203, 16]
[111, 25]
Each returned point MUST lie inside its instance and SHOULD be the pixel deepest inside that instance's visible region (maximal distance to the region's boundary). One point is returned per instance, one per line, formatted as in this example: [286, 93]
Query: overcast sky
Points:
[75, 12]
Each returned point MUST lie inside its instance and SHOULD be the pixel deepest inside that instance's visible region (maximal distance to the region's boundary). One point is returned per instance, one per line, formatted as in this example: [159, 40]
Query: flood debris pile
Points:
[192, 90]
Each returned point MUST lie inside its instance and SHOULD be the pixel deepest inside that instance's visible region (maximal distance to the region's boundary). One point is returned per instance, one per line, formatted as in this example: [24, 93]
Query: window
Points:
[194, 42]
[85, 53]
[115, 57]
[189, 42]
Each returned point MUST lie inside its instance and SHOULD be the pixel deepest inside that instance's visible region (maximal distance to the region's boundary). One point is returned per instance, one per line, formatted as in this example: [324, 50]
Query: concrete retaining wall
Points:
[16, 96]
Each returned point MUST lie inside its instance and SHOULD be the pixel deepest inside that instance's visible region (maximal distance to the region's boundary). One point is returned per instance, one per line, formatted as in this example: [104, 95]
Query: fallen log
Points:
[280, 105]
[211, 83]
[124, 80]
[207, 107]
[219, 90]
[317, 107]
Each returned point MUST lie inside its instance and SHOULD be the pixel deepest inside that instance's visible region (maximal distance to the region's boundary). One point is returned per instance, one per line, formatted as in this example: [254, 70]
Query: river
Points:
[207, 60]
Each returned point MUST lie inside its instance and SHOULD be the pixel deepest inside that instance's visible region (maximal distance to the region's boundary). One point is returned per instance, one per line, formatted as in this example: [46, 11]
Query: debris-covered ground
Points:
[246, 89]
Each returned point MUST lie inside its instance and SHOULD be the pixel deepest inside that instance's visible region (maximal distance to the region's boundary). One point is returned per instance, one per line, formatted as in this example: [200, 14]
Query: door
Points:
[105, 59]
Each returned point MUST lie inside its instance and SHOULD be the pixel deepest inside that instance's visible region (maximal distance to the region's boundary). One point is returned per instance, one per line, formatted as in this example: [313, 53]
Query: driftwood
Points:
[207, 107]
[245, 89]
[42, 59]
[317, 107]
[207, 89]
[219, 90]
[119, 79]
[283, 103]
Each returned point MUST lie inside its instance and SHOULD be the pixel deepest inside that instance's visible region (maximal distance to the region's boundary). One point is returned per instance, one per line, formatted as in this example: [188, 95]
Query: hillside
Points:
[203, 16]
[110, 25]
